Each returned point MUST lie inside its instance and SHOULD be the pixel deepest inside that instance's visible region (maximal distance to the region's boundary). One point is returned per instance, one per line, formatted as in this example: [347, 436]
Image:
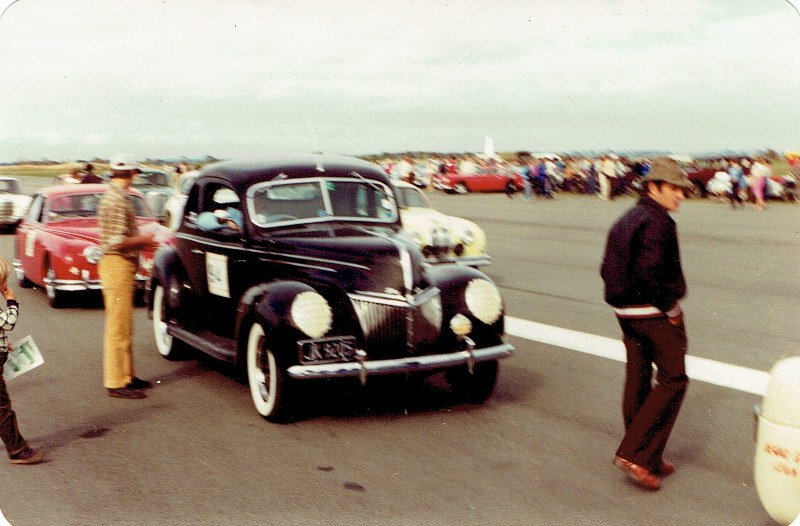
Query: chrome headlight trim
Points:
[483, 300]
[311, 313]
[92, 254]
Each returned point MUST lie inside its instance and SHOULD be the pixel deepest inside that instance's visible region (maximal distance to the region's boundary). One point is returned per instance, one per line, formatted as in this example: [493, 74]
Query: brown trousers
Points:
[649, 411]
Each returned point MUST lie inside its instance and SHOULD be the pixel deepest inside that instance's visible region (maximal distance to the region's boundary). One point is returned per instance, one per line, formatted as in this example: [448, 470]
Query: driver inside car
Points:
[218, 219]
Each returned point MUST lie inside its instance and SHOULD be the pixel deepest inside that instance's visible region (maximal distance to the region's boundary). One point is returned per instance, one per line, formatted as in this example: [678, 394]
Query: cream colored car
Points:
[442, 238]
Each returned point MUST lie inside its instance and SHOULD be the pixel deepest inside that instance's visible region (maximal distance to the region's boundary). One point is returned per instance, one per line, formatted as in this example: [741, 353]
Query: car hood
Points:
[358, 260]
[416, 217]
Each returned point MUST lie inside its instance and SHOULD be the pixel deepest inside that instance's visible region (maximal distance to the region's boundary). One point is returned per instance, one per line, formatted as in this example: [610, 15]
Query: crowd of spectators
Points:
[605, 177]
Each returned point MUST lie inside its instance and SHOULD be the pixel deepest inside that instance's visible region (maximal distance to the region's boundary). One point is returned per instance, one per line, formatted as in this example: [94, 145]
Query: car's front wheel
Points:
[474, 388]
[268, 382]
[168, 347]
[55, 298]
[461, 188]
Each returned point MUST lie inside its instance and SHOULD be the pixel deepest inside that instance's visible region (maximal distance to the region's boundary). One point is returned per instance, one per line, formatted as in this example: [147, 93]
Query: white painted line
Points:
[710, 371]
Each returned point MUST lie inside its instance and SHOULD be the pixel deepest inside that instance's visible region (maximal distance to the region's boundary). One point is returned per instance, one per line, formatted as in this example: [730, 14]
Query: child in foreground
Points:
[18, 450]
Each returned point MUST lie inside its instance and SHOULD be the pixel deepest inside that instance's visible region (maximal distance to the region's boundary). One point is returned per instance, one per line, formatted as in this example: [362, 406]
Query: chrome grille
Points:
[6, 208]
[395, 326]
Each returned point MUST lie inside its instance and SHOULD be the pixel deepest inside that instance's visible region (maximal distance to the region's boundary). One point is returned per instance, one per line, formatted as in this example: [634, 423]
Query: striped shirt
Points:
[117, 222]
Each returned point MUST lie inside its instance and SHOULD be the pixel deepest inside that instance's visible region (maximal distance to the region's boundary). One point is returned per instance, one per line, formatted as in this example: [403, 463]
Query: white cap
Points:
[123, 161]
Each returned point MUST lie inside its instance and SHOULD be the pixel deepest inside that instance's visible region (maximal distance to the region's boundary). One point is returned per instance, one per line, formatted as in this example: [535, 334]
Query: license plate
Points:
[328, 350]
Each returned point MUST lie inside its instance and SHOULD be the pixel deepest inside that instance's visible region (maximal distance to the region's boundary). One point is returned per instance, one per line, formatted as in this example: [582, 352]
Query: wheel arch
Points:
[270, 304]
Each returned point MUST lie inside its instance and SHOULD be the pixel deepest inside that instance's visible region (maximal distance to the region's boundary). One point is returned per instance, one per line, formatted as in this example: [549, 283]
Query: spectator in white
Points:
[760, 171]
[607, 174]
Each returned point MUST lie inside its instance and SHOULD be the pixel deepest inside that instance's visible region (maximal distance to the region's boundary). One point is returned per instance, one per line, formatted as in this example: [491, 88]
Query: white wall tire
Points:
[167, 346]
[267, 381]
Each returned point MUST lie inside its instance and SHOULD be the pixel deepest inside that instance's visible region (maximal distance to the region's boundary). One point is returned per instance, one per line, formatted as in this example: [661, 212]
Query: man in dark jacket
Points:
[644, 283]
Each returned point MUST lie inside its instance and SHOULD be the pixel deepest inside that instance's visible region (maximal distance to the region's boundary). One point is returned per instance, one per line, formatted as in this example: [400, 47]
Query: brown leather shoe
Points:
[27, 456]
[640, 475]
[138, 383]
[666, 467]
[124, 392]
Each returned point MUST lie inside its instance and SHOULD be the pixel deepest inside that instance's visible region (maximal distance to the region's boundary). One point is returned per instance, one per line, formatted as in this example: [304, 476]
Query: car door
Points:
[209, 257]
[28, 241]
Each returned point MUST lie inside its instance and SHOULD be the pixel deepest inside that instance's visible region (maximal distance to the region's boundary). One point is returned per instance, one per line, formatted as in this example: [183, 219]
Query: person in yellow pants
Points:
[121, 243]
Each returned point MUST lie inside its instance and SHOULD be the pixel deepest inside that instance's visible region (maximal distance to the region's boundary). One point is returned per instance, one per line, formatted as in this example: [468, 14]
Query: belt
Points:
[646, 311]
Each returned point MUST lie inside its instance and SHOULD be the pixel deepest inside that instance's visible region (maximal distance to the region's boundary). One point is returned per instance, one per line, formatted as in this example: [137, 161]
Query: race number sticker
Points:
[30, 243]
[217, 275]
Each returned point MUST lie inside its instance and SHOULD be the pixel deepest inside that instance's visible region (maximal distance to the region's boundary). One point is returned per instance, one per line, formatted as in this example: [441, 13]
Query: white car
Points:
[442, 238]
[13, 204]
[173, 208]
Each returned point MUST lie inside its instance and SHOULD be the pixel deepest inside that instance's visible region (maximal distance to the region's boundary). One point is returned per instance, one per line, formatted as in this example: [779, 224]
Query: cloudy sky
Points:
[237, 78]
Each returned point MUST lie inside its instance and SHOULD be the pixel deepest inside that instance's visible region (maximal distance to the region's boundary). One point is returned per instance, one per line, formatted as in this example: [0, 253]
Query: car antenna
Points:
[312, 133]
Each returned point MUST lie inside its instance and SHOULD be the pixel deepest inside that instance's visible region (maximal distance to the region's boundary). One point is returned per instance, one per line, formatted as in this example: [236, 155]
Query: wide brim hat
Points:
[669, 171]
[123, 161]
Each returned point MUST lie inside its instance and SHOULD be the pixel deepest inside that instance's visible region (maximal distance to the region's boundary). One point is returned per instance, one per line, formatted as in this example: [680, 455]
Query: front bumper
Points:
[411, 364]
[77, 285]
[469, 261]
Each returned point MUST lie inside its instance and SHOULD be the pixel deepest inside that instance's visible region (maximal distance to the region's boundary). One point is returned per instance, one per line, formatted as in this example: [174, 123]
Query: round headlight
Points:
[311, 314]
[93, 253]
[483, 300]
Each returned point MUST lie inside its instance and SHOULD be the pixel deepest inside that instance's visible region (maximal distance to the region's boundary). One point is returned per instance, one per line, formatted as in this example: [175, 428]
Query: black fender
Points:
[452, 281]
[270, 304]
[165, 271]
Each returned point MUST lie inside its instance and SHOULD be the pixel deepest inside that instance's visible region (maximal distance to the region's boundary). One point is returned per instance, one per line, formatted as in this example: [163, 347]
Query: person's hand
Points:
[8, 293]
[148, 242]
[677, 321]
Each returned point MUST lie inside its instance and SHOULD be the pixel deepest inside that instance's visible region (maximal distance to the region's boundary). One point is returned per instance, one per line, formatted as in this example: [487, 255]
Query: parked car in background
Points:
[700, 177]
[484, 180]
[13, 203]
[296, 269]
[57, 243]
[173, 207]
[442, 238]
[156, 187]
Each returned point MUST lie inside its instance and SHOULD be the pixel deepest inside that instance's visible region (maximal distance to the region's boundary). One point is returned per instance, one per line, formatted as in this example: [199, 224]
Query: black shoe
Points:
[27, 456]
[124, 392]
[138, 383]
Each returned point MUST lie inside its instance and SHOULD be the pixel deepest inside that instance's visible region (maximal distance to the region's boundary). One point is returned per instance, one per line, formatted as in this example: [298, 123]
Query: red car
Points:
[481, 181]
[57, 242]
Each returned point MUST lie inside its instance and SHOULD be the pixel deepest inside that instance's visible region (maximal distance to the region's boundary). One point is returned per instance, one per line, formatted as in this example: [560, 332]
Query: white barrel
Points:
[777, 461]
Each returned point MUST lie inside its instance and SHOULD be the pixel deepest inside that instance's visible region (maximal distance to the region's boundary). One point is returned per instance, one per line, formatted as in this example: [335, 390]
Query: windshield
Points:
[310, 200]
[9, 186]
[86, 205]
[411, 198]
[150, 179]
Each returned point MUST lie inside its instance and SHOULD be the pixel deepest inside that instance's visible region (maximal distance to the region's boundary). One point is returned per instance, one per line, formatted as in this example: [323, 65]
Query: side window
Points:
[216, 209]
[35, 210]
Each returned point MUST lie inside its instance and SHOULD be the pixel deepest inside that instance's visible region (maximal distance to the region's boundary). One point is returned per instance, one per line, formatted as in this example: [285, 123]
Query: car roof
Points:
[244, 173]
[72, 189]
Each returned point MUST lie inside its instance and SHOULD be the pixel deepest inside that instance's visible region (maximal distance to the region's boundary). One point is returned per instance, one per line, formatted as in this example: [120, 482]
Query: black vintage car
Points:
[296, 269]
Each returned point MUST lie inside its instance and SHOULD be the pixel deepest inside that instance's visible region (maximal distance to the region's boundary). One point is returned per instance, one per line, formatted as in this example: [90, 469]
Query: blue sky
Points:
[235, 78]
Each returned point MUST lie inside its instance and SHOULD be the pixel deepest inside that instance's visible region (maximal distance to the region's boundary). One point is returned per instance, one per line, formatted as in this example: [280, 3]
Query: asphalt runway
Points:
[538, 452]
